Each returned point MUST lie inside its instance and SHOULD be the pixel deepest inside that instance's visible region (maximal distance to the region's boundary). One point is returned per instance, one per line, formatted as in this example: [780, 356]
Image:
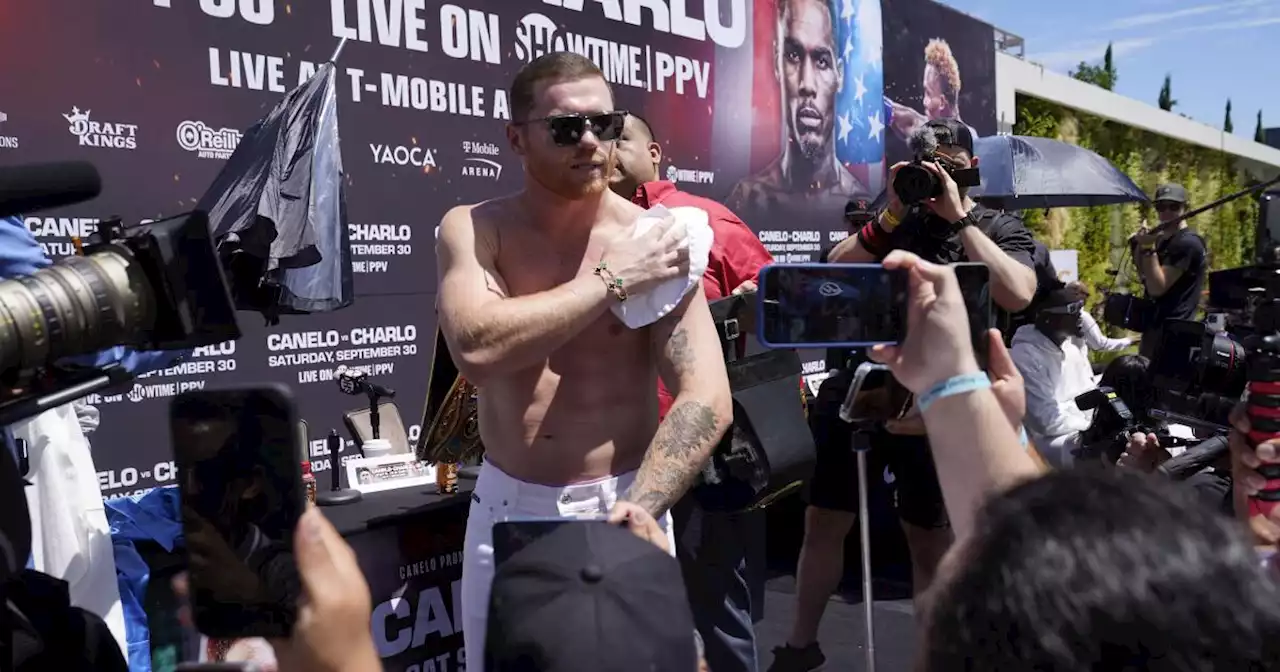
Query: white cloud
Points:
[1152, 18]
[1243, 24]
[1070, 57]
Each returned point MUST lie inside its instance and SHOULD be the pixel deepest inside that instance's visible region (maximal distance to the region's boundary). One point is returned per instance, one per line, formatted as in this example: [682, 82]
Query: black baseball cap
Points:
[589, 596]
[859, 209]
[952, 132]
[1172, 193]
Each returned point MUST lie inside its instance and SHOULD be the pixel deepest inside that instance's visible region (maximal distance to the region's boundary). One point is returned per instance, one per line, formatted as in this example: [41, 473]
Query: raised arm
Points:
[489, 332]
[687, 350]
[1009, 254]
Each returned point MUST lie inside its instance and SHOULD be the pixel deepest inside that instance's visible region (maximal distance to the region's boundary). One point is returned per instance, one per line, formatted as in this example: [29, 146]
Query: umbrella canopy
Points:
[1026, 173]
[277, 210]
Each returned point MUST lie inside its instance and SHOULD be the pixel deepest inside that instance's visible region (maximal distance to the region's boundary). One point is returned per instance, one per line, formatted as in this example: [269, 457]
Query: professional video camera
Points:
[1113, 423]
[914, 183]
[154, 286]
[1198, 373]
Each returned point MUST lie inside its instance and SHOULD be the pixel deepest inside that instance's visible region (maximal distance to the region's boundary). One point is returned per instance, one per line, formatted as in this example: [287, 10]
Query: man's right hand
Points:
[895, 206]
[642, 263]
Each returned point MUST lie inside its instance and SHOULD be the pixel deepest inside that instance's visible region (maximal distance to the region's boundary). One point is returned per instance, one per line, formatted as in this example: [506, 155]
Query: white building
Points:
[1015, 75]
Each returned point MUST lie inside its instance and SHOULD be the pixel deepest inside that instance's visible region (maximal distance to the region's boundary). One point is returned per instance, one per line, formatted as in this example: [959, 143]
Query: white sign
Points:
[1066, 263]
[389, 472]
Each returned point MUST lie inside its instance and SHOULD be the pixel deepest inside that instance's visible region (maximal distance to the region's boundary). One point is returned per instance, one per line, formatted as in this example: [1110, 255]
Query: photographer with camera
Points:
[1172, 263]
[930, 214]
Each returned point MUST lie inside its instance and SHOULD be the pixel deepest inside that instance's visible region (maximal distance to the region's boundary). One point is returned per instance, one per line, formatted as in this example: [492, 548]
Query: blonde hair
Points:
[938, 54]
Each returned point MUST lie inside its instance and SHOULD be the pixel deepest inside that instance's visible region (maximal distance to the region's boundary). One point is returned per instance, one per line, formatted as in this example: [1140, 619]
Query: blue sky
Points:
[1213, 50]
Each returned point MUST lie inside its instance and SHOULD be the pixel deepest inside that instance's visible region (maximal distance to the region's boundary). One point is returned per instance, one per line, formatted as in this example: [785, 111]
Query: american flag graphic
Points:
[860, 109]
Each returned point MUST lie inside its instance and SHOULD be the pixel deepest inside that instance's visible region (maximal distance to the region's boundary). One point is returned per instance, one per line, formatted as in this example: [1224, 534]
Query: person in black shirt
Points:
[947, 229]
[1172, 262]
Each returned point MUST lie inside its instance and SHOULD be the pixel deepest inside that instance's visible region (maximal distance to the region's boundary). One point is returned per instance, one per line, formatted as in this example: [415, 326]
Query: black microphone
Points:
[40, 186]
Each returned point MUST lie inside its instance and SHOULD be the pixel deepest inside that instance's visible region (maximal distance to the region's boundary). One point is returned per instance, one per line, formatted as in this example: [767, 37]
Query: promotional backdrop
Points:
[772, 106]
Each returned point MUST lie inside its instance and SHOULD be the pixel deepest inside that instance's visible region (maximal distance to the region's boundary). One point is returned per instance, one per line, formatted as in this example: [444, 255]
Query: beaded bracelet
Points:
[611, 282]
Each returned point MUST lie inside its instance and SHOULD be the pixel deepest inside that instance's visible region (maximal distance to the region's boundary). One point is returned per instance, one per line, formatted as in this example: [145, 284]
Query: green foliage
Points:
[1227, 126]
[1166, 101]
[1103, 76]
[1100, 234]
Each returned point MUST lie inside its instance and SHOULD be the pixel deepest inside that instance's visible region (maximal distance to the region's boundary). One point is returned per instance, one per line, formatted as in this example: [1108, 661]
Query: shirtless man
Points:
[807, 179]
[567, 411]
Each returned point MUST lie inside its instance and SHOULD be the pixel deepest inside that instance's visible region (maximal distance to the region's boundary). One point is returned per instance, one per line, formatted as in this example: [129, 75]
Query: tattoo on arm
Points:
[687, 435]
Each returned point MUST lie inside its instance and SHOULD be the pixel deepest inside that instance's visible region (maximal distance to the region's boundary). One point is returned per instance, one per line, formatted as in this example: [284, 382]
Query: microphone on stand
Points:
[355, 382]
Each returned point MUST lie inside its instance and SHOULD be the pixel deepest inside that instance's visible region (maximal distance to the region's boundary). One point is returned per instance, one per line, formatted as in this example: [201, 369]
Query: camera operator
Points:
[1170, 586]
[1171, 261]
[947, 228]
[1054, 361]
[71, 538]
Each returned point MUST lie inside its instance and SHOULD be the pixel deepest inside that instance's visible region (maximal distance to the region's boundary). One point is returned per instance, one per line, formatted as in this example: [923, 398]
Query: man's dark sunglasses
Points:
[1168, 206]
[567, 129]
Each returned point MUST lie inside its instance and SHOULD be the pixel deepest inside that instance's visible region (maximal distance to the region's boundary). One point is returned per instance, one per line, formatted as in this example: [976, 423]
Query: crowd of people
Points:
[1022, 558]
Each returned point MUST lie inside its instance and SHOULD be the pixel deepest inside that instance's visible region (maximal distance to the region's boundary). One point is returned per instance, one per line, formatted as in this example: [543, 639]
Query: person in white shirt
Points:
[1091, 332]
[1052, 356]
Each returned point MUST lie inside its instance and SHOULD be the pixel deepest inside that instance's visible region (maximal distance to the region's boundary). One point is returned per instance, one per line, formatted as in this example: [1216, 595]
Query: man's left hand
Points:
[949, 205]
[746, 287]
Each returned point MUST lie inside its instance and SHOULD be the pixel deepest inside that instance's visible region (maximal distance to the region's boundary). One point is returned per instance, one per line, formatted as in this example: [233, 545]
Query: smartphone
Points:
[874, 395]
[512, 534]
[242, 496]
[975, 287]
[831, 305]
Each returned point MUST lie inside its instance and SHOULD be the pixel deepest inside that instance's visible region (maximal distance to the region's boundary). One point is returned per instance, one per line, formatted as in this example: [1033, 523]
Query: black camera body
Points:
[914, 183]
[153, 286]
[1112, 424]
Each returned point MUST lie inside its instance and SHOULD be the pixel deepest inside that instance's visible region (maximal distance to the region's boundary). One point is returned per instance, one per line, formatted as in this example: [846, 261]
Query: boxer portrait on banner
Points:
[532, 290]
[807, 178]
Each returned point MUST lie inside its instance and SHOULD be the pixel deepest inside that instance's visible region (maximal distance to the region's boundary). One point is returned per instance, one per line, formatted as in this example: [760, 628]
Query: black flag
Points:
[278, 209]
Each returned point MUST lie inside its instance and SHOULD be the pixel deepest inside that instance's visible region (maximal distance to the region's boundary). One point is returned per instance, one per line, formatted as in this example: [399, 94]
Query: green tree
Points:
[1259, 135]
[1166, 100]
[1227, 126]
[1103, 76]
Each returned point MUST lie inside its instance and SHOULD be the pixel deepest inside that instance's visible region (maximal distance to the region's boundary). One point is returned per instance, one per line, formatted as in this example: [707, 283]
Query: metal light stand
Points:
[862, 446]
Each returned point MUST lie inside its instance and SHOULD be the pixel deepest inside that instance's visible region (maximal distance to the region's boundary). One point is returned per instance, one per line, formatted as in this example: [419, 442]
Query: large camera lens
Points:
[914, 183]
[77, 306]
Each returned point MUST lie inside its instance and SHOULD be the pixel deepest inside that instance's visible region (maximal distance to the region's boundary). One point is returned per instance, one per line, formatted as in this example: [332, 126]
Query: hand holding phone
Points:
[242, 497]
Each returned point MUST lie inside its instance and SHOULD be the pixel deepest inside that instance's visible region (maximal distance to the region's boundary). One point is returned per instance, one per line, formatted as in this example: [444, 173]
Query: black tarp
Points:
[278, 209]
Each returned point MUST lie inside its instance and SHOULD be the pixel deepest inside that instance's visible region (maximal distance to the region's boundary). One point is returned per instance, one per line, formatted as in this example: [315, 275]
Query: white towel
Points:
[640, 310]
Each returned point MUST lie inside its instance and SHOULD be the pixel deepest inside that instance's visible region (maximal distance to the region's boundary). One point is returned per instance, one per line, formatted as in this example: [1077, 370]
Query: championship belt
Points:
[450, 418]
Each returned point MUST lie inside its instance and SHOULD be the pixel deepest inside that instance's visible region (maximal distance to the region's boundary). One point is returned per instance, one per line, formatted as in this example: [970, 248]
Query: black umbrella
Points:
[1027, 173]
[278, 208]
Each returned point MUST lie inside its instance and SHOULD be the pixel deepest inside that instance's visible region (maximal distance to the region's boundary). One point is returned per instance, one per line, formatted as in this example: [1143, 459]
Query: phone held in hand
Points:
[512, 534]
[242, 495]
[856, 305]
[831, 305]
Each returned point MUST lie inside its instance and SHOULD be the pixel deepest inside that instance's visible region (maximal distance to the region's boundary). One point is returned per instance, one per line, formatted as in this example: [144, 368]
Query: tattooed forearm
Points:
[679, 450]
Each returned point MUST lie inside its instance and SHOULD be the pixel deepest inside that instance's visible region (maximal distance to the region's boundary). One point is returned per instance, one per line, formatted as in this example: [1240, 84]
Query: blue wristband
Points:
[968, 382]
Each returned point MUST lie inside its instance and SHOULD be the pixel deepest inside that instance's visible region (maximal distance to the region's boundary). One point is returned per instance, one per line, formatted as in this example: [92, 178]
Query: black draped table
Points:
[409, 545]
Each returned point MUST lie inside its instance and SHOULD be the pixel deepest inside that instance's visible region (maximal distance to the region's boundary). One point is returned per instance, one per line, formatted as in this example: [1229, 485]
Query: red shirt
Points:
[736, 254]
